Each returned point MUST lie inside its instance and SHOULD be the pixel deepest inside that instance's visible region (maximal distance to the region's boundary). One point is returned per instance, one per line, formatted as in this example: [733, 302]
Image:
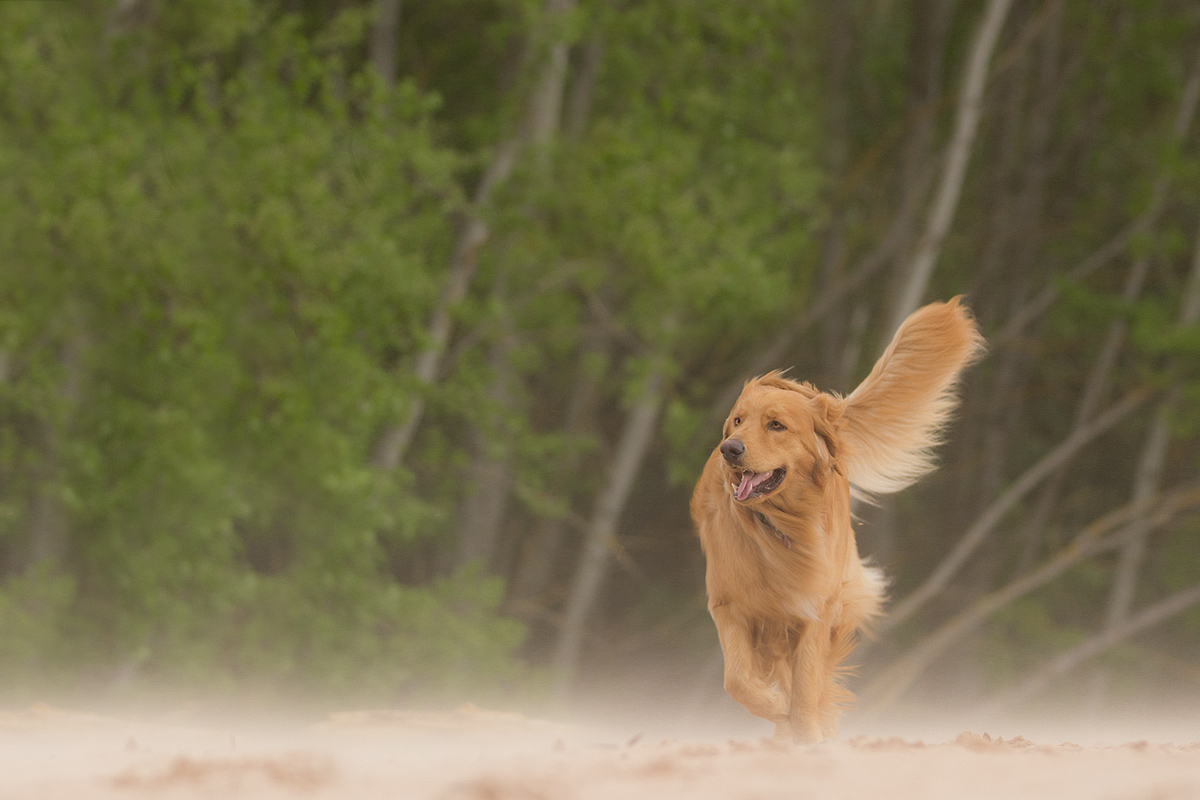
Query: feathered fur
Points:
[786, 587]
[895, 417]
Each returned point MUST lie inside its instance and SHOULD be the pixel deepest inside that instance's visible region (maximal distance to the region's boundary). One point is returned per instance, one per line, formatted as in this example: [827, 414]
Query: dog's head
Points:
[780, 436]
[880, 437]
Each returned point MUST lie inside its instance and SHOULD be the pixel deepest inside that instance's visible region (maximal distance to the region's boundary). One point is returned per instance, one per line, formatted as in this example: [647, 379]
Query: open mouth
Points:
[757, 484]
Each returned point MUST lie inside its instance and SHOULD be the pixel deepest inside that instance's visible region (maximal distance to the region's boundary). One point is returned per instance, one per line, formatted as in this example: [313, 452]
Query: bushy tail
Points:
[893, 420]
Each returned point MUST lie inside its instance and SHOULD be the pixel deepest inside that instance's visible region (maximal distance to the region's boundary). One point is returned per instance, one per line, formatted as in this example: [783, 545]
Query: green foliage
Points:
[682, 427]
[1022, 636]
[209, 280]
[324, 631]
[223, 238]
[34, 611]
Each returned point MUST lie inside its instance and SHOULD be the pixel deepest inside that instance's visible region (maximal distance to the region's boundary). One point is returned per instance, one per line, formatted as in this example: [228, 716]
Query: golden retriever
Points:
[786, 587]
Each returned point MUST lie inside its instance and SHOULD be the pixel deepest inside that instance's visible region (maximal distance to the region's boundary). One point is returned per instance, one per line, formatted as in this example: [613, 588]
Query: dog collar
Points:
[780, 535]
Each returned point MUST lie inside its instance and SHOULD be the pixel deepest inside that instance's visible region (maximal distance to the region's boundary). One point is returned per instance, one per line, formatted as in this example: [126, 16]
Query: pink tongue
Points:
[750, 480]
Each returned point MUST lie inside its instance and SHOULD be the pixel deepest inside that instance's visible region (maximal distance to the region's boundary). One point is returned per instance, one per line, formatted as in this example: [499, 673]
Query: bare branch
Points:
[897, 679]
[992, 516]
[1066, 662]
[1041, 302]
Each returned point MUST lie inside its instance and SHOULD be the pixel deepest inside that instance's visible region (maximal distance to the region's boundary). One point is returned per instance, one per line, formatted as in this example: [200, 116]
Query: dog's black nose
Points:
[732, 449]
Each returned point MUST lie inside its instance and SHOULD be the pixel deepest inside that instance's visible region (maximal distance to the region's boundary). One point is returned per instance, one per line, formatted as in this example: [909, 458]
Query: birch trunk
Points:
[1003, 410]
[482, 512]
[958, 153]
[833, 250]
[992, 286]
[926, 52]
[536, 128]
[484, 509]
[383, 40]
[579, 101]
[999, 415]
[47, 532]
[1098, 379]
[1016, 229]
[1150, 467]
[543, 547]
[594, 560]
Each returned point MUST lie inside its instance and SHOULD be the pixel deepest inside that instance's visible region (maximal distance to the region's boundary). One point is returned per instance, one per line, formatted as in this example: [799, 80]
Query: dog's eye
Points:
[737, 421]
[776, 425]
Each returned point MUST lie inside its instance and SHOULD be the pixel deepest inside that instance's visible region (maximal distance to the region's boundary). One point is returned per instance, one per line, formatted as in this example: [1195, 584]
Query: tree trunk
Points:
[1097, 382]
[958, 153]
[541, 113]
[579, 100]
[1003, 410]
[926, 56]
[1148, 478]
[1146, 484]
[47, 532]
[545, 111]
[926, 52]
[994, 285]
[1001, 166]
[833, 250]
[635, 440]
[488, 477]
[483, 508]
[383, 40]
[535, 568]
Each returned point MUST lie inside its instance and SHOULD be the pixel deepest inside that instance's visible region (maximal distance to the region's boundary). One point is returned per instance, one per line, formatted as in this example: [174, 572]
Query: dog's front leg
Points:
[742, 679]
[812, 682]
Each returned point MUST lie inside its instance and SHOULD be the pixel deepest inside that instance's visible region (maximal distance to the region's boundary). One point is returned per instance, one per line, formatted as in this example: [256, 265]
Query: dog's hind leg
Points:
[842, 641]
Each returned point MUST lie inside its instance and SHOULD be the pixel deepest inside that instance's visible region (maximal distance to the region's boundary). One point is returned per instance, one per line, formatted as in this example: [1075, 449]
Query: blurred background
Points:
[368, 350]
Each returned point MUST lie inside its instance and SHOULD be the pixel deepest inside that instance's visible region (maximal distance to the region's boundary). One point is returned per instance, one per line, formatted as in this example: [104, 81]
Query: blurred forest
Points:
[372, 347]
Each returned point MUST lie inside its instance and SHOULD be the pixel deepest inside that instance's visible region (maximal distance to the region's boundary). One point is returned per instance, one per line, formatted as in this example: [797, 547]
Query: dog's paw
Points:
[759, 698]
[773, 704]
[777, 701]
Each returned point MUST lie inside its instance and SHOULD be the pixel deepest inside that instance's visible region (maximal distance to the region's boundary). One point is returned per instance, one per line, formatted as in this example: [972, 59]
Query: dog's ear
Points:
[893, 420]
[826, 411]
[825, 425]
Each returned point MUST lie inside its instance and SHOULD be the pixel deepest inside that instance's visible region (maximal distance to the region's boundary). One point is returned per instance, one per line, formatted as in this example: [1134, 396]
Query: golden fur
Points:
[786, 587]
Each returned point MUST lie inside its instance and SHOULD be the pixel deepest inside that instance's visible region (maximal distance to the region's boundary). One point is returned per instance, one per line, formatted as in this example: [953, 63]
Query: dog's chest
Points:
[788, 580]
[765, 523]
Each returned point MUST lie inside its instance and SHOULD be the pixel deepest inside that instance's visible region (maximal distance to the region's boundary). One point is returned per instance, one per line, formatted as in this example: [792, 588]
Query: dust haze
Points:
[631, 739]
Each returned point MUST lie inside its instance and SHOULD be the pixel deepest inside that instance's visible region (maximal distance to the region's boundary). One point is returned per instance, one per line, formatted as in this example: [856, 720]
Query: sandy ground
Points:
[472, 754]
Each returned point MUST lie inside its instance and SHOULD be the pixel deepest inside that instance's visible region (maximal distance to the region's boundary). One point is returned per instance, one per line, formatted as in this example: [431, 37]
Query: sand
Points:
[472, 754]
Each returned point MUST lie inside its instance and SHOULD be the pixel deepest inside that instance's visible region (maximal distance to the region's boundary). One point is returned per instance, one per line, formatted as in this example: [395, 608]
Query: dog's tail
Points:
[893, 420]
